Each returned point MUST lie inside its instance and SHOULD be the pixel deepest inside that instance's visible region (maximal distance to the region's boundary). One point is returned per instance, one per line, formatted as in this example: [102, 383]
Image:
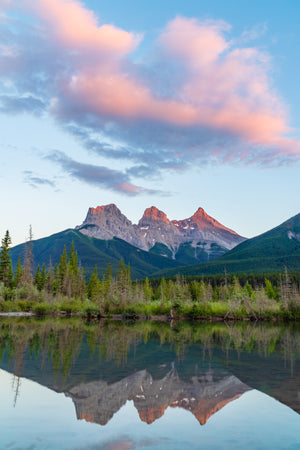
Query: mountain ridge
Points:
[91, 252]
[272, 251]
[198, 238]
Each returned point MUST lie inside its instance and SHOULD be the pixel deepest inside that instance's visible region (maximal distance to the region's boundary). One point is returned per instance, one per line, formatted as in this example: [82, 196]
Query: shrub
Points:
[131, 312]
[90, 309]
[41, 309]
[8, 306]
[70, 306]
[24, 305]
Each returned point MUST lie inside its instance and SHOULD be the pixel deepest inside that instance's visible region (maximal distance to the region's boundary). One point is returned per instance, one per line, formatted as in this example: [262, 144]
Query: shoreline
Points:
[160, 318]
[17, 314]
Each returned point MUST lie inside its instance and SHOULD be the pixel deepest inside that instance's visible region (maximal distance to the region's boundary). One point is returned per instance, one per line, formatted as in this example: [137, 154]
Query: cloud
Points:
[81, 32]
[202, 97]
[196, 44]
[36, 181]
[99, 176]
[13, 104]
[254, 33]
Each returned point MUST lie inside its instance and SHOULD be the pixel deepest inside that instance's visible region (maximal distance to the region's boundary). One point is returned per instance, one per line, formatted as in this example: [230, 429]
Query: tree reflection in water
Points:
[199, 367]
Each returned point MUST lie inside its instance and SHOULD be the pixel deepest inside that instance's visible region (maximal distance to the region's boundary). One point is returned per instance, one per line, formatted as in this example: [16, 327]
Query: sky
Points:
[177, 104]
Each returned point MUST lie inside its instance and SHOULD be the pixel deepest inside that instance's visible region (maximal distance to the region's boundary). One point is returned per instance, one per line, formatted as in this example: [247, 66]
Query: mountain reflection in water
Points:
[98, 401]
[196, 367]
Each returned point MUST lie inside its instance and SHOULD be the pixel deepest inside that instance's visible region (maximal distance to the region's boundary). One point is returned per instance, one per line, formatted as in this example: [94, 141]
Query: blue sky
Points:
[177, 104]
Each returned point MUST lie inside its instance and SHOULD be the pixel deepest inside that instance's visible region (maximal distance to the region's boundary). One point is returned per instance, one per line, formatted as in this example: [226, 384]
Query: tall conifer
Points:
[6, 273]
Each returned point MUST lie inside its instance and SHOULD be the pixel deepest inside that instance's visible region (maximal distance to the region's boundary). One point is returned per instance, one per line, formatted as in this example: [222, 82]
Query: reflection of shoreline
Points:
[98, 401]
[61, 354]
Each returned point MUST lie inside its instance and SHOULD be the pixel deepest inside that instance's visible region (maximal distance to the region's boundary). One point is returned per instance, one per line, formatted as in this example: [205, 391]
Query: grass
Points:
[237, 308]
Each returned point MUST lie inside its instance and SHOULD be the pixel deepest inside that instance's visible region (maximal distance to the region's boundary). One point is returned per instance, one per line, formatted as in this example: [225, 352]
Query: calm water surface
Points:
[67, 384]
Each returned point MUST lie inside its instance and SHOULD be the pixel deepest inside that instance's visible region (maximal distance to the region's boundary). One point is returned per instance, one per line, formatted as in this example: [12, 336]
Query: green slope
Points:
[269, 252]
[93, 251]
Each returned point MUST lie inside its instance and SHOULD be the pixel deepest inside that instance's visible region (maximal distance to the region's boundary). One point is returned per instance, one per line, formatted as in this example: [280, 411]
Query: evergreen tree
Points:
[124, 282]
[49, 280]
[43, 276]
[81, 284]
[62, 268]
[55, 281]
[37, 278]
[6, 272]
[73, 277]
[164, 290]
[73, 261]
[108, 282]
[94, 286]
[148, 291]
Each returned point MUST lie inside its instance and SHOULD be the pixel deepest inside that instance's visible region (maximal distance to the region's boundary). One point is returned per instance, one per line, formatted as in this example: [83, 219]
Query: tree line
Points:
[64, 287]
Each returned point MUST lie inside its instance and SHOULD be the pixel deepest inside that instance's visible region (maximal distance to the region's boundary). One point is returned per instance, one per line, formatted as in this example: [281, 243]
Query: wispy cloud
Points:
[14, 104]
[201, 97]
[99, 176]
[36, 181]
[255, 32]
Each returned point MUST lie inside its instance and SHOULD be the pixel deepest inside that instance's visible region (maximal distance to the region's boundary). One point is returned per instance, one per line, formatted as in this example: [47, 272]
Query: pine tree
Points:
[94, 286]
[73, 261]
[148, 291]
[269, 288]
[108, 282]
[6, 272]
[62, 268]
[49, 280]
[74, 278]
[55, 281]
[124, 282]
[164, 290]
[37, 278]
[81, 284]
[43, 276]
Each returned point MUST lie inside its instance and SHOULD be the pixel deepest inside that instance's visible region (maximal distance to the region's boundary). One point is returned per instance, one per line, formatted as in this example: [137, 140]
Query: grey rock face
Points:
[106, 222]
[200, 230]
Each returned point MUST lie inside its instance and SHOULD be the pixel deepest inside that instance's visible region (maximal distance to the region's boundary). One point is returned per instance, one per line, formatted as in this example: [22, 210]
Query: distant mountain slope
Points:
[93, 251]
[269, 252]
[200, 238]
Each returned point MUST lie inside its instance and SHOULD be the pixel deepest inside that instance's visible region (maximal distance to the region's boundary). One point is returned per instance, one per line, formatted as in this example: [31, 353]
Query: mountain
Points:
[200, 238]
[93, 251]
[154, 244]
[269, 252]
[98, 401]
[197, 367]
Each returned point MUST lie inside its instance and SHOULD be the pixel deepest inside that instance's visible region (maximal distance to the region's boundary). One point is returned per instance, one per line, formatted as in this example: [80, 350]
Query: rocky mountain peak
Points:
[106, 222]
[200, 213]
[154, 229]
[106, 209]
[203, 220]
[153, 214]
[109, 214]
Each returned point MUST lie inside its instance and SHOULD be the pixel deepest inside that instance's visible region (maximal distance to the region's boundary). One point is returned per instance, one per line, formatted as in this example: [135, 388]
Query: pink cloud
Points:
[77, 28]
[220, 88]
[195, 43]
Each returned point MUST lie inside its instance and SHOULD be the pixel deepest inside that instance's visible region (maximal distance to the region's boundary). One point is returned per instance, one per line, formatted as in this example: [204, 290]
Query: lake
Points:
[70, 384]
